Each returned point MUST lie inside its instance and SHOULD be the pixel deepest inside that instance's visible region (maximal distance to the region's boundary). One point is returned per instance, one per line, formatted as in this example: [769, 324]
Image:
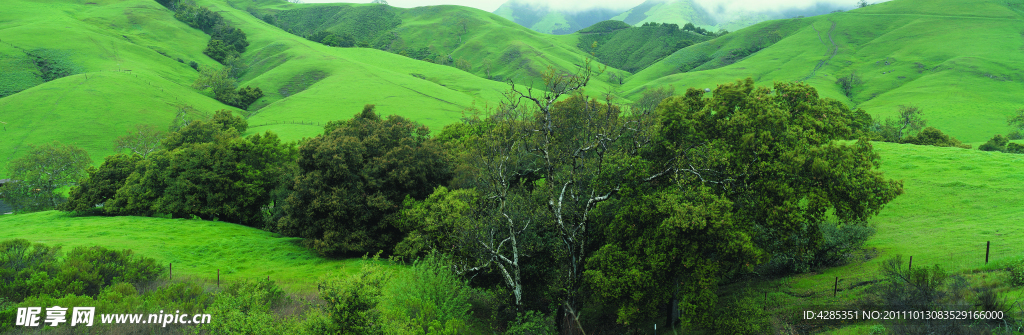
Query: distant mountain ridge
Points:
[549, 21]
[680, 12]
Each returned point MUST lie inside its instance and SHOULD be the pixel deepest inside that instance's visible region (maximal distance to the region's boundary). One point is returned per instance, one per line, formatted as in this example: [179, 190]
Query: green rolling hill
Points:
[548, 21]
[678, 12]
[122, 61]
[121, 64]
[960, 61]
[478, 42]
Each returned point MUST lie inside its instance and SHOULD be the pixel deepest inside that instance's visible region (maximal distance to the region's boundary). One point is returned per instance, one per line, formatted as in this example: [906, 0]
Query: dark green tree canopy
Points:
[37, 176]
[752, 174]
[228, 178]
[222, 125]
[102, 183]
[354, 176]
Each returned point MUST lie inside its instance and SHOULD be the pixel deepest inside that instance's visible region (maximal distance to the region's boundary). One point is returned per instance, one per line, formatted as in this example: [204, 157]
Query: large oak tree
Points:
[354, 176]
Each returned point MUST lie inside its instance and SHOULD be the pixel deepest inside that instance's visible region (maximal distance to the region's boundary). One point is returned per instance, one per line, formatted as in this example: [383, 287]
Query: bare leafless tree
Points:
[142, 141]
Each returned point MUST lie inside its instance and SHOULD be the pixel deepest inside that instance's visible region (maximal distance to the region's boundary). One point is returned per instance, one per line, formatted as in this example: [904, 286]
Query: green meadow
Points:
[194, 248]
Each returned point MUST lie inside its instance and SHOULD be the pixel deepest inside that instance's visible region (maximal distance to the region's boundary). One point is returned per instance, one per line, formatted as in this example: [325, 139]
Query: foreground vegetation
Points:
[561, 208]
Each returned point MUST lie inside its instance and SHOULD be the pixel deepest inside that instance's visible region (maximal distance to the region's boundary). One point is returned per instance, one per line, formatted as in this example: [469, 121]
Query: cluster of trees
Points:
[555, 202]
[635, 48]
[561, 203]
[38, 178]
[908, 127]
[223, 85]
[687, 27]
[343, 40]
[226, 45]
[354, 177]
[226, 41]
[203, 170]
[1003, 144]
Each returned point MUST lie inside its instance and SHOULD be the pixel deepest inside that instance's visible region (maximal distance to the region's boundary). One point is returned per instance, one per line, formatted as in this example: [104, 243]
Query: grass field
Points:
[954, 201]
[195, 248]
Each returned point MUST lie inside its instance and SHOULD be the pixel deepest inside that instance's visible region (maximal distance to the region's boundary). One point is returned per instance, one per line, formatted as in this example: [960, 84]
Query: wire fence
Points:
[299, 122]
[841, 288]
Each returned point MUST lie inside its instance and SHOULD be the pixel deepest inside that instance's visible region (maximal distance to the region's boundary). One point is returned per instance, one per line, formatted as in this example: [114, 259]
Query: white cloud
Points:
[731, 6]
[581, 5]
[715, 6]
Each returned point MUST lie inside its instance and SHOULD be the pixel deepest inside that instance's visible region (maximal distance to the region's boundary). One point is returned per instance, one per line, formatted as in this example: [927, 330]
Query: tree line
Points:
[563, 204]
[226, 45]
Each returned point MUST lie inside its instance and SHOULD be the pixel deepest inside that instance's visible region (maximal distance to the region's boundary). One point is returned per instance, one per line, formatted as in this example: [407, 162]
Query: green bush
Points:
[245, 308]
[1014, 148]
[36, 269]
[532, 323]
[1017, 274]
[351, 301]
[996, 143]
[1015, 135]
[935, 137]
[918, 288]
[426, 298]
[740, 316]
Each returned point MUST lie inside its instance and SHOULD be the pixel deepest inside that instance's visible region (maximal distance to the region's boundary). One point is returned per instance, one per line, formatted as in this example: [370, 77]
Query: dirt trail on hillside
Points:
[835, 50]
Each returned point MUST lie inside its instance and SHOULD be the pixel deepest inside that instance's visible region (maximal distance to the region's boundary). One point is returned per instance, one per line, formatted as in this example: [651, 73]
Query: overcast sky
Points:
[728, 5]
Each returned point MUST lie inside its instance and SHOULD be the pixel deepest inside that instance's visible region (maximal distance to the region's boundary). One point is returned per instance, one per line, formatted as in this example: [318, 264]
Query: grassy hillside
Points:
[967, 80]
[634, 48]
[955, 200]
[547, 21]
[475, 41]
[195, 248]
[677, 12]
[122, 60]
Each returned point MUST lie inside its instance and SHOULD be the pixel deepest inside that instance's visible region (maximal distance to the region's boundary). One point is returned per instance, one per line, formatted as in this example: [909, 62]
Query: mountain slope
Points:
[306, 83]
[678, 12]
[547, 21]
[481, 43]
[119, 65]
[960, 61]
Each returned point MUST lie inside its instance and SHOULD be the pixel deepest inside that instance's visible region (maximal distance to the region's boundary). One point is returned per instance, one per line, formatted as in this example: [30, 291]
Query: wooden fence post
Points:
[170, 271]
[910, 265]
[988, 244]
[835, 289]
[218, 277]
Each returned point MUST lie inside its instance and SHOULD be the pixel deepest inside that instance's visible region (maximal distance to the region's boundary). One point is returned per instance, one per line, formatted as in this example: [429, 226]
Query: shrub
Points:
[996, 143]
[917, 288]
[1014, 148]
[1017, 274]
[740, 316]
[36, 269]
[245, 308]
[837, 241]
[351, 301]
[935, 137]
[531, 323]
[1015, 135]
[427, 297]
